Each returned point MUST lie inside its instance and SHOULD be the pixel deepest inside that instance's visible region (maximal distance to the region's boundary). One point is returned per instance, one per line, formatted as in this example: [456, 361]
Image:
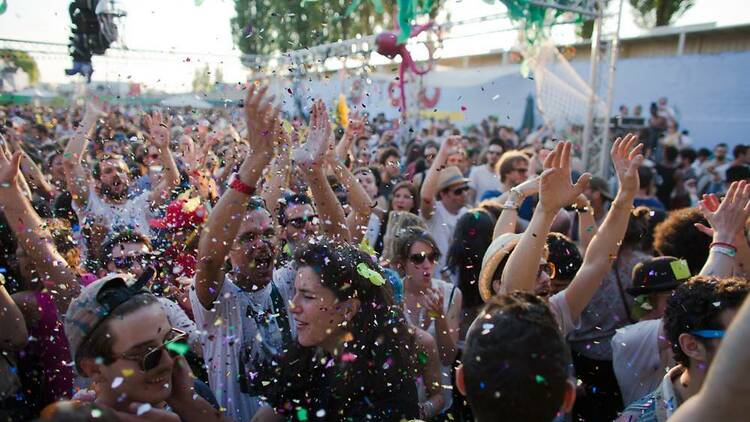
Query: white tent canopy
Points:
[36, 93]
[185, 100]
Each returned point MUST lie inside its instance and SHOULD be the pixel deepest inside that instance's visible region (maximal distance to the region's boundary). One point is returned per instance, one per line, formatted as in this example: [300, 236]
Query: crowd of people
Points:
[241, 264]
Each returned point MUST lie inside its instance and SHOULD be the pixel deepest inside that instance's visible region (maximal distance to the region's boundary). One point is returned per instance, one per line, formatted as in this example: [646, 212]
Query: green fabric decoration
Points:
[534, 17]
[3, 6]
[378, 4]
[407, 12]
[375, 277]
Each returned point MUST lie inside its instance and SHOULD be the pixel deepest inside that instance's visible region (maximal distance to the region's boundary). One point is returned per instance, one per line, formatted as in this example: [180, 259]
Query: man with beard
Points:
[104, 202]
[242, 307]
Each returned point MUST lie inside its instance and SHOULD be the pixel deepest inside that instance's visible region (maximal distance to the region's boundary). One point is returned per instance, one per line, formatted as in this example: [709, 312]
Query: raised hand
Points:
[9, 168]
[626, 157]
[556, 188]
[260, 117]
[318, 137]
[158, 128]
[356, 126]
[728, 218]
[449, 147]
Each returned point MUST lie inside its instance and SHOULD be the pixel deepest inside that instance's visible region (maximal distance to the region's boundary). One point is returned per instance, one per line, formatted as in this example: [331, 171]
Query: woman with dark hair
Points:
[471, 238]
[430, 304]
[352, 358]
[404, 198]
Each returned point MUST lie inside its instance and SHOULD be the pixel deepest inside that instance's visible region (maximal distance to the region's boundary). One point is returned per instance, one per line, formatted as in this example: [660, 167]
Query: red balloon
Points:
[388, 45]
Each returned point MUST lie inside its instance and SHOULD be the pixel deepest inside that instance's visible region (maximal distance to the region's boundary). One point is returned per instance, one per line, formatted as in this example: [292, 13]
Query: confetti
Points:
[127, 372]
[117, 382]
[179, 348]
[145, 407]
[302, 414]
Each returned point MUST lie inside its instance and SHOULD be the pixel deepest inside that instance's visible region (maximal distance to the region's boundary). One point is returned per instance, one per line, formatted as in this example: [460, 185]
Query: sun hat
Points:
[450, 176]
[501, 247]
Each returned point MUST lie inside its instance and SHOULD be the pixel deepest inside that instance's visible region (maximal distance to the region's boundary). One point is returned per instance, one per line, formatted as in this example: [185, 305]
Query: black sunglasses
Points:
[461, 190]
[300, 222]
[419, 258]
[177, 344]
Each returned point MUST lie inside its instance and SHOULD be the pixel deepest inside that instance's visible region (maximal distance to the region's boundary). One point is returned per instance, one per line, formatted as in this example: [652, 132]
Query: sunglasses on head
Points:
[300, 222]
[548, 268]
[419, 258]
[176, 342]
[125, 262]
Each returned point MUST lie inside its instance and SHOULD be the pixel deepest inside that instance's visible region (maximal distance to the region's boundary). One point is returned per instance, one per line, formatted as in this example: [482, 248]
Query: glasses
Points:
[177, 344]
[125, 262]
[419, 258]
[250, 237]
[460, 191]
[300, 222]
[548, 268]
[708, 333]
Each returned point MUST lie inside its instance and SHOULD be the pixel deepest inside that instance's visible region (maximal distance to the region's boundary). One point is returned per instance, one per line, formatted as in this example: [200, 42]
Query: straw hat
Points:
[496, 252]
[450, 176]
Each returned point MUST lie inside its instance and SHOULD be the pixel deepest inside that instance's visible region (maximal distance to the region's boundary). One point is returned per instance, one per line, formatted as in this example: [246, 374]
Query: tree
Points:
[23, 60]
[650, 13]
[218, 75]
[202, 79]
[269, 26]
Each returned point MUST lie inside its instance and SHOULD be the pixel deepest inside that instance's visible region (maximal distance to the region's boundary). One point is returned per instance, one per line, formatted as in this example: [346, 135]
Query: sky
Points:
[185, 26]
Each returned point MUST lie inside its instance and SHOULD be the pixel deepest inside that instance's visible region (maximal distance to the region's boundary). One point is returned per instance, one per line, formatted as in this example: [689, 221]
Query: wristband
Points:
[240, 186]
[724, 244]
[581, 209]
[724, 250]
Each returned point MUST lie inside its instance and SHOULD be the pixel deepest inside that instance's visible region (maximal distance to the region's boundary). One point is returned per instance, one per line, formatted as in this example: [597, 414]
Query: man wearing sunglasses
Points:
[298, 220]
[240, 303]
[696, 317]
[443, 197]
[120, 338]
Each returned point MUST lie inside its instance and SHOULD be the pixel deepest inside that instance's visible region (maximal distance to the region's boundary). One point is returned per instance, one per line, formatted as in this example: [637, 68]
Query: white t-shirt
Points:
[179, 319]
[560, 309]
[230, 330]
[484, 179]
[134, 214]
[638, 364]
[441, 227]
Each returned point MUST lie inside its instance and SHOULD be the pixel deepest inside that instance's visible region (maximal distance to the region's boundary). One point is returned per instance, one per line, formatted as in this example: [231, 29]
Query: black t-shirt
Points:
[310, 385]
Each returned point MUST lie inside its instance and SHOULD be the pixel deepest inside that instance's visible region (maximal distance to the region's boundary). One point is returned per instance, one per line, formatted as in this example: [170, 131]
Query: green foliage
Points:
[24, 61]
[202, 80]
[270, 26]
[650, 13]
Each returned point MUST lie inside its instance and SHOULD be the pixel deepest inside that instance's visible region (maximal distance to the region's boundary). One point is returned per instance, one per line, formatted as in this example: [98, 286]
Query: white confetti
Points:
[117, 382]
[145, 407]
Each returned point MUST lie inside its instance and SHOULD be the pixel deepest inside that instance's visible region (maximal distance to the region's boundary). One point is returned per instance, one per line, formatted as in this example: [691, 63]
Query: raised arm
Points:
[586, 222]
[359, 200]
[512, 201]
[160, 137]
[727, 219]
[14, 334]
[331, 213]
[429, 186]
[225, 219]
[278, 174]
[354, 129]
[726, 380]
[626, 157]
[59, 279]
[556, 190]
[76, 177]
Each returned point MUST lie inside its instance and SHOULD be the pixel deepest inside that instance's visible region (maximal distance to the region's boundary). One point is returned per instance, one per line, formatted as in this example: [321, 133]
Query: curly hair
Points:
[697, 305]
[378, 336]
[677, 236]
